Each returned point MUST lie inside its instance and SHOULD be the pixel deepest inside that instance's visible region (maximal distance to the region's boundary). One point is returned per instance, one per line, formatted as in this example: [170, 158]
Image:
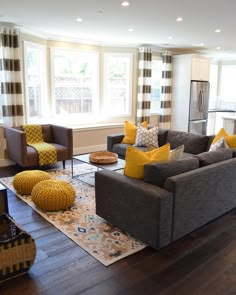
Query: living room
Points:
[57, 57]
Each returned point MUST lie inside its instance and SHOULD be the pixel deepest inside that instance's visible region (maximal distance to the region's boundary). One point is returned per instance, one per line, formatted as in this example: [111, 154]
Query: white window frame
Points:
[130, 87]
[76, 118]
[43, 82]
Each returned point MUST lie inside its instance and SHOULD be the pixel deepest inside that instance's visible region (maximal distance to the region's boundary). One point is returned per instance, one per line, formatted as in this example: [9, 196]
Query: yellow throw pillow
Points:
[130, 132]
[221, 133]
[231, 140]
[136, 159]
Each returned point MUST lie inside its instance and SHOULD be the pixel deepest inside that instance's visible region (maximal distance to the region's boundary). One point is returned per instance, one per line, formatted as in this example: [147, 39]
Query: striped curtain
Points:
[166, 89]
[144, 84]
[10, 77]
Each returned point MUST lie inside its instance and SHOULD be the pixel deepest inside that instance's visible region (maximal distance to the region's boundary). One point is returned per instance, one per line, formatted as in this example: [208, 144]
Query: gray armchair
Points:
[25, 156]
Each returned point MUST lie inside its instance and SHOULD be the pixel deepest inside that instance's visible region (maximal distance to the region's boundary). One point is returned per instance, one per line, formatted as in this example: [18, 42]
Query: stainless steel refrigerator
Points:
[198, 107]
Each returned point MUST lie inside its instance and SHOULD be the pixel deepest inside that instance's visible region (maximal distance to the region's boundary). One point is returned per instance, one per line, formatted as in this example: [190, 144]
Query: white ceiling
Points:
[107, 22]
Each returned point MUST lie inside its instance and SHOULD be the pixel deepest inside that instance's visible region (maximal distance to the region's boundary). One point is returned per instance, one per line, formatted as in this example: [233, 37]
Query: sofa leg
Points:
[64, 164]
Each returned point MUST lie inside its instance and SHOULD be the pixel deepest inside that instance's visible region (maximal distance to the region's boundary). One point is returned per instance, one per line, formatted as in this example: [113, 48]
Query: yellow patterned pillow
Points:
[130, 132]
[136, 159]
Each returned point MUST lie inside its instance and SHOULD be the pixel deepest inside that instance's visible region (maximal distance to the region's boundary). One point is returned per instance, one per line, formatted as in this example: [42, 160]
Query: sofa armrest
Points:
[16, 146]
[201, 195]
[141, 209]
[63, 136]
[113, 139]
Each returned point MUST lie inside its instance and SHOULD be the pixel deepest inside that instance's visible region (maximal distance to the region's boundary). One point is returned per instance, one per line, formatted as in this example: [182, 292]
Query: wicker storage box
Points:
[17, 249]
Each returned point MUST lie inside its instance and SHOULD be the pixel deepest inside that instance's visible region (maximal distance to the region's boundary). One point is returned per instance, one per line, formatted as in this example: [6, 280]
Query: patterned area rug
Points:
[103, 241]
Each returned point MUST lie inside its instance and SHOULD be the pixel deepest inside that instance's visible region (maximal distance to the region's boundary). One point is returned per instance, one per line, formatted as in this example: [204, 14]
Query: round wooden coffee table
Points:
[103, 157]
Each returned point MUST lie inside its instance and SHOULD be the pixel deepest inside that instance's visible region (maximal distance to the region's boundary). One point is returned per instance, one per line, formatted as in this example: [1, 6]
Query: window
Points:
[75, 78]
[35, 79]
[227, 87]
[117, 83]
[75, 82]
[156, 84]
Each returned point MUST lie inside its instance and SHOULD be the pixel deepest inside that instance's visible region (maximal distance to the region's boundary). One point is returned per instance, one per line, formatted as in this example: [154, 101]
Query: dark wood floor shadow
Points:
[202, 263]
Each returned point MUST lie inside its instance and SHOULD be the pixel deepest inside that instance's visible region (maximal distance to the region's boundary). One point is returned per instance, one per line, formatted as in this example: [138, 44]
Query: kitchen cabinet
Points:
[200, 69]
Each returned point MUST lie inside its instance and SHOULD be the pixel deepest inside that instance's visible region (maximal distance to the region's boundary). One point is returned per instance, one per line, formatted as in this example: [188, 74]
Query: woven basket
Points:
[17, 249]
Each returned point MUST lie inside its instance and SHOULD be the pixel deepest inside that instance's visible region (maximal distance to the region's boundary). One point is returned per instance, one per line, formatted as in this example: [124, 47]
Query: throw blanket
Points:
[34, 137]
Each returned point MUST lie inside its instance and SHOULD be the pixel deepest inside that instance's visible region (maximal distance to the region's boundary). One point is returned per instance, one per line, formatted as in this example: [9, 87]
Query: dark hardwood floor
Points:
[203, 262]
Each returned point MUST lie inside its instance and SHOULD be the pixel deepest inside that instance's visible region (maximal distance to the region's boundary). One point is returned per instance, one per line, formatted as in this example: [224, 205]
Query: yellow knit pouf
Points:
[24, 182]
[53, 195]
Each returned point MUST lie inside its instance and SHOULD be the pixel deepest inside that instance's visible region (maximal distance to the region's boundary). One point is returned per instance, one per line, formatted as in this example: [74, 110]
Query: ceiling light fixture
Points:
[130, 29]
[179, 19]
[125, 3]
[218, 47]
[217, 30]
[170, 37]
[79, 19]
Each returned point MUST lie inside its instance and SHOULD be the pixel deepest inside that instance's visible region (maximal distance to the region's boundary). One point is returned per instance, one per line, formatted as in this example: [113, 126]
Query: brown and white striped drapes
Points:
[144, 84]
[10, 77]
[166, 89]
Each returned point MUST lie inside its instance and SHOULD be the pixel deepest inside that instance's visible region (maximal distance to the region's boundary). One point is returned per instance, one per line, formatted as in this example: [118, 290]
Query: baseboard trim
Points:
[6, 162]
[89, 149]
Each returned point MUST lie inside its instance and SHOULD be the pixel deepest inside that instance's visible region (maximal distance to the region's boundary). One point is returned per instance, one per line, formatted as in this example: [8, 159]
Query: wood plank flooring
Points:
[204, 262]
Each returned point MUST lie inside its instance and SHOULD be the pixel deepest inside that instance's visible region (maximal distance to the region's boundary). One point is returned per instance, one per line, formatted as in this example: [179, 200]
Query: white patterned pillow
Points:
[219, 144]
[145, 137]
[177, 153]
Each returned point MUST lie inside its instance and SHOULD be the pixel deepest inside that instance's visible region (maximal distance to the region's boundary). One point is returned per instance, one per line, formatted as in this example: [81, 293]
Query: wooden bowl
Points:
[103, 157]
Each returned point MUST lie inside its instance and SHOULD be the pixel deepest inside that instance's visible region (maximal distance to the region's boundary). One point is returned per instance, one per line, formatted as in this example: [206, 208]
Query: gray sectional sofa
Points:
[193, 143]
[174, 198]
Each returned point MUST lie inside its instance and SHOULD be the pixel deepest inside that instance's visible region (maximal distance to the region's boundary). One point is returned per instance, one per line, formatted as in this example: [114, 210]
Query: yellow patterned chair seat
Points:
[52, 195]
[24, 181]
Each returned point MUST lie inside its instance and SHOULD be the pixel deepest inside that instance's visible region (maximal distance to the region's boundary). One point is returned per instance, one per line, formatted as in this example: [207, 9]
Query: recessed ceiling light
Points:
[217, 30]
[125, 3]
[130, 29]
[218, 47]
[79, 19]
[170, 37]
[179, 19]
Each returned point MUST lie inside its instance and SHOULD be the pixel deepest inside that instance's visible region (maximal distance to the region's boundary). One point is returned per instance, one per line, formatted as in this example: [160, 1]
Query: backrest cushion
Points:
[47, 133]
[212, 157]
[162, 136]
[158, 173]
[46, 130]
[193, 143]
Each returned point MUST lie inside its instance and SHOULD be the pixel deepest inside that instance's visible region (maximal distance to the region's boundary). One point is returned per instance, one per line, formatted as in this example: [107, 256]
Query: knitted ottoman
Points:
[53, 195]
[24, 182]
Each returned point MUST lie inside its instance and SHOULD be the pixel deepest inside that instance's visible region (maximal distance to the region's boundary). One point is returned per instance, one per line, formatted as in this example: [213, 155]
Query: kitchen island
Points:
[216, 121]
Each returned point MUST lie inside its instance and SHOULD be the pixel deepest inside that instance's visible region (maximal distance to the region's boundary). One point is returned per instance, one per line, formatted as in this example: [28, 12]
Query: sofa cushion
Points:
[130, 131]
[162, 135]
[145, 137]
[212, 157]
[219, 144]
[136, 159]
[193, 143]
[221, 133]
[157, 173]
[177, 153]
